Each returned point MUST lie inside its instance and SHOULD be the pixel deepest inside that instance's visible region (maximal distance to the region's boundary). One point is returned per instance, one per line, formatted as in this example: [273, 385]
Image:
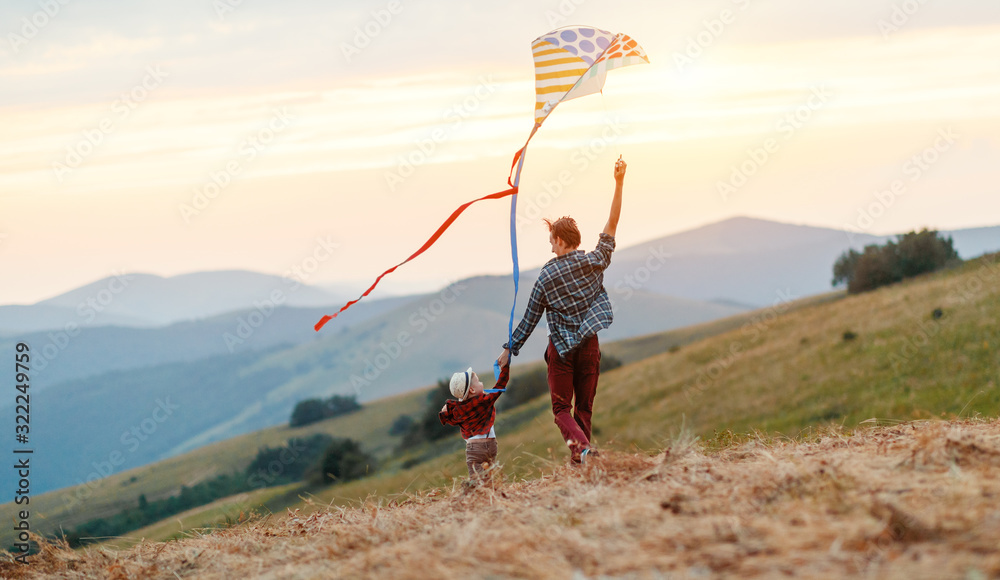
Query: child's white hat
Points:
[460, 383]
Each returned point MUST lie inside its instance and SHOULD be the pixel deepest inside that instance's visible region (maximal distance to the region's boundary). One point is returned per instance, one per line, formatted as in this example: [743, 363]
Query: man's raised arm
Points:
[616, 203]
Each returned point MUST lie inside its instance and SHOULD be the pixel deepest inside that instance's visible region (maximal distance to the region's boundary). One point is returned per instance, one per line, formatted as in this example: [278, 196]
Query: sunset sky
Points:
[117, 116]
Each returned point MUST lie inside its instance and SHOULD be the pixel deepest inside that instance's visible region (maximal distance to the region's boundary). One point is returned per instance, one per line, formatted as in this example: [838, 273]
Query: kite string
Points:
[607, 121]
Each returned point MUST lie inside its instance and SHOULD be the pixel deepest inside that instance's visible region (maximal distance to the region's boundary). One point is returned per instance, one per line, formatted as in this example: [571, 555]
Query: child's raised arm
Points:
[504, 376]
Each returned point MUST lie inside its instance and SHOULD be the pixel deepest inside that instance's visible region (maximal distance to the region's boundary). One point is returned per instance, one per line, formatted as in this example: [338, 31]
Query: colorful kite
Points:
[570, 62]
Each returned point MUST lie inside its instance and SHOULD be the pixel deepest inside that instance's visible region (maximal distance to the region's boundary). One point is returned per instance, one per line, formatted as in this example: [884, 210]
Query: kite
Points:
[570, 62]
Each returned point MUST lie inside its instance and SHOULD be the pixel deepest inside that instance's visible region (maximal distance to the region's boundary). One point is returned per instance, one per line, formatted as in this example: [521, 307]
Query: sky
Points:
[196, 135]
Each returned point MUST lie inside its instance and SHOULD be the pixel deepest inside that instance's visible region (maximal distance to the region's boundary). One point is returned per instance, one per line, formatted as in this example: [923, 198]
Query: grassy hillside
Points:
[783, 370]
[801, 368]
[793, 371]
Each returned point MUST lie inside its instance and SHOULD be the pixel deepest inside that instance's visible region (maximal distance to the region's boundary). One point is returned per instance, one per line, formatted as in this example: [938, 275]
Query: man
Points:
[570, 291]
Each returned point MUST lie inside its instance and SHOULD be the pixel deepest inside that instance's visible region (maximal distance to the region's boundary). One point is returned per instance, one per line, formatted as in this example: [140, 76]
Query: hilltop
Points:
[907, 501]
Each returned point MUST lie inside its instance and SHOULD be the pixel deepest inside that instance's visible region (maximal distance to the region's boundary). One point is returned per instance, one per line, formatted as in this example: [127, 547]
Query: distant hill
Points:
[100, 349]
[147, 300]
[974, 242]
[742, 261]
[20, 319]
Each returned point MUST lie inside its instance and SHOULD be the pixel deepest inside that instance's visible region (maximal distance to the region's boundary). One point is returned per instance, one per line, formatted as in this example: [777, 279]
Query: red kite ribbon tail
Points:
[423, 248]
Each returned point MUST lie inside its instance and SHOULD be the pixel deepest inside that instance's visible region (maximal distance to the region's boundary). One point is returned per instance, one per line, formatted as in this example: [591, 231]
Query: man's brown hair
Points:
[565, 229]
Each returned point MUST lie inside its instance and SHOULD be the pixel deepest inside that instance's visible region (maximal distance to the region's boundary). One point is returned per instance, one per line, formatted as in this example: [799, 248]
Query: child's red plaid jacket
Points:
[475, 416]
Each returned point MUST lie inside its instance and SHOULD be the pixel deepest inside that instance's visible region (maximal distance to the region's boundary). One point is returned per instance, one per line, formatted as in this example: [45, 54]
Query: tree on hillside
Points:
[924, 251]
[428, 427]
[875, 268]
[343, 460]
[843, 268]
[401, 426]
[909, 255]
[312, 410]
[286, 463]
[609, 362]
[306, 412]
[341, 405]
[526, 387]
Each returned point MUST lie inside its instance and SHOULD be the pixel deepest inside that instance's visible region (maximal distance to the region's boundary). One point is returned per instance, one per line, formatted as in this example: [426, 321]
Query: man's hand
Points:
[616, 203]
[445, 408]
[504, 357]
[620, 167]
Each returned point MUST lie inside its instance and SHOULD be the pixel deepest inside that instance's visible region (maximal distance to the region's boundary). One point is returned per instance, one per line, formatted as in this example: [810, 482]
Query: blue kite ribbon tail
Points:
[496, 377]
[513, 251]
[513, 256]
[517, 278]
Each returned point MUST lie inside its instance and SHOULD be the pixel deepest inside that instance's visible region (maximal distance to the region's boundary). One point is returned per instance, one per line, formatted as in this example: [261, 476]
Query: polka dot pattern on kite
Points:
[584, 42]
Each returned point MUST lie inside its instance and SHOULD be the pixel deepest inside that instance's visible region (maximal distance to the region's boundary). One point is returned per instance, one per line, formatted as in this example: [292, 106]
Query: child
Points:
[473, 411]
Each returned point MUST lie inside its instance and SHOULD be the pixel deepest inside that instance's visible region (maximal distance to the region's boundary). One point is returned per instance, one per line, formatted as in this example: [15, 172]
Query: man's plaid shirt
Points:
[475, 416]
[570, 291]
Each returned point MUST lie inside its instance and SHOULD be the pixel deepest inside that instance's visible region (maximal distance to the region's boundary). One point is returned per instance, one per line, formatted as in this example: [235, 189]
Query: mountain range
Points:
[699, 264]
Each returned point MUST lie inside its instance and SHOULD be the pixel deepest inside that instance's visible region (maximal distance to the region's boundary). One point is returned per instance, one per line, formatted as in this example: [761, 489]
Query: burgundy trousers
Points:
[573, 385]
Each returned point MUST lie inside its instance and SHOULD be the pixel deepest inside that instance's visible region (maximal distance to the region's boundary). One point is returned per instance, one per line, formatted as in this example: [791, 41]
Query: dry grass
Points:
[911, 501]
